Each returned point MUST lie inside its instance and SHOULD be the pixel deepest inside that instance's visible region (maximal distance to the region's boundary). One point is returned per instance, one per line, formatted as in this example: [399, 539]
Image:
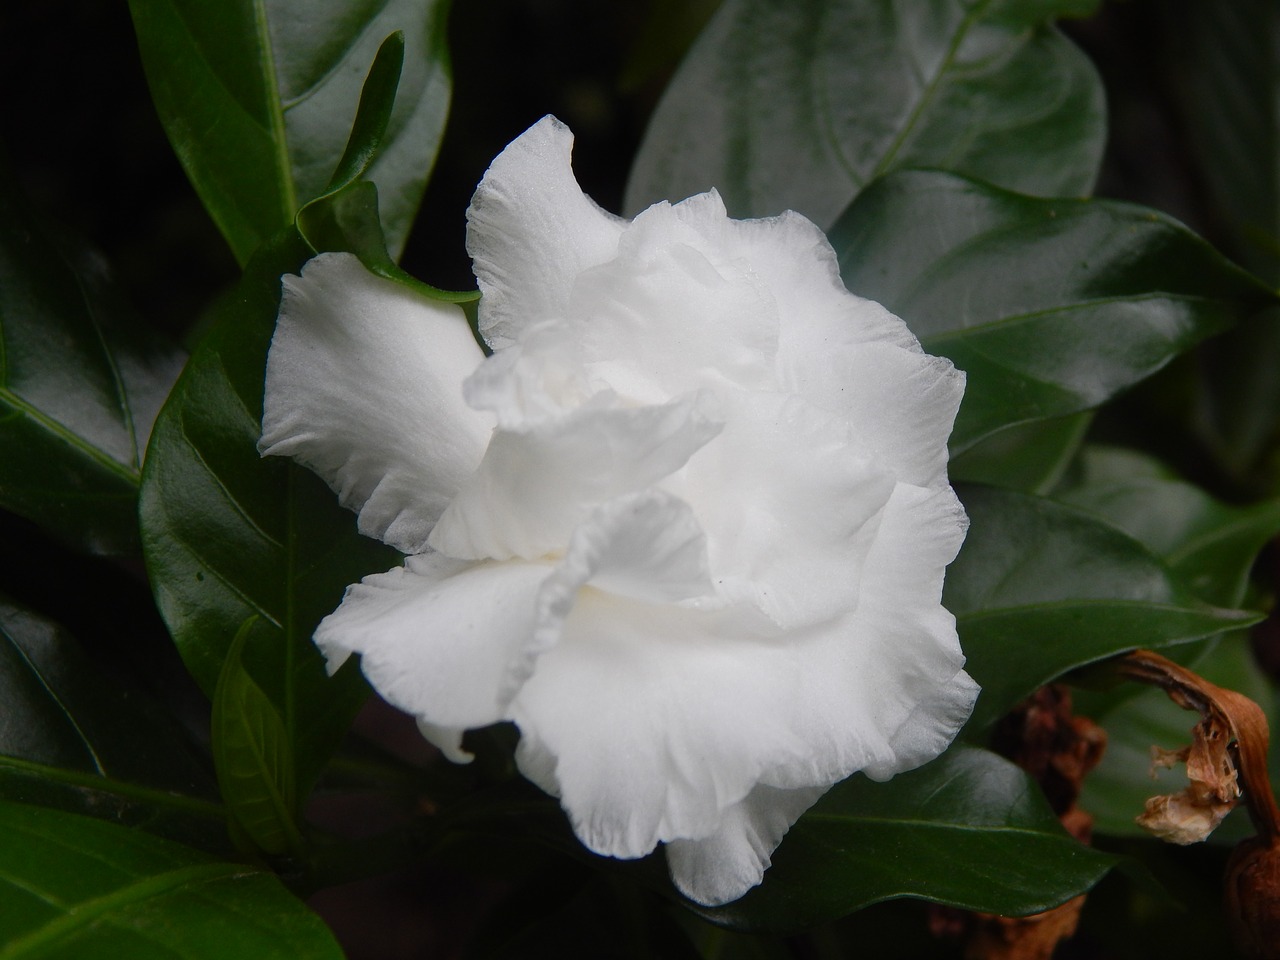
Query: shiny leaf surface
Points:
[69, 740]
[74, 888]
[969, 830]
[1040, 588]
[80, 384]
[1050, 306]
[257, 98]
[799, 104]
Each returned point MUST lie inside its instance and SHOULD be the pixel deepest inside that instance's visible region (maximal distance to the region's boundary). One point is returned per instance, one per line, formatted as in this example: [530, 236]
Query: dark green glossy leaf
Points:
[254, 758]
[800, 103]
[228, 535]
[970, 830]
[74, 888]
[258, 97]
[68, 739]
[1050, 306]
[1040, 588]
[80, 384]
[1209, 545]
[1029, 456]
[347, 216]
[373, 115]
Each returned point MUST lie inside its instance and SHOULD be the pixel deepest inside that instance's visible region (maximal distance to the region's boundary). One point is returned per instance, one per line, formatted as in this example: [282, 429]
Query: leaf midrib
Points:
[86, 912]
[275, 110]
[975, 13]
[129, 474]
[950, 827]
[109, 784]
[963, 333]
[1214, 613]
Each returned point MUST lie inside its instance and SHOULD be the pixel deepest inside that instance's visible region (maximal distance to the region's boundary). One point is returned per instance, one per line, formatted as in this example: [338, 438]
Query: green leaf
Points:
[228, 535]
[254, 759]
[1028, 456]
[1040, 588]
[1209, 545]
[257, 97]
[74, 888]
[71, 741]
[800, 104]
[970, 830]
[347, 216]
[1050, 306]
[80, 384]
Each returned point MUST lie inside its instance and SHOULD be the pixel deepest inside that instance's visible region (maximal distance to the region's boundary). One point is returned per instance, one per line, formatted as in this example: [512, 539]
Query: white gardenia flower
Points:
[686, 527]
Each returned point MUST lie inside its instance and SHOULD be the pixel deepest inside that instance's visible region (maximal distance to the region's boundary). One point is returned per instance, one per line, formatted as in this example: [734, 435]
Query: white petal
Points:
[448, 740]
[649, 721]
[795, 260]
[793, 527]
[899, 404]
[536, 485]
[438, 637]
[364, 386]
[672, 311]
[531, 230]
[725, 865]
[845, 354]
[647, 546]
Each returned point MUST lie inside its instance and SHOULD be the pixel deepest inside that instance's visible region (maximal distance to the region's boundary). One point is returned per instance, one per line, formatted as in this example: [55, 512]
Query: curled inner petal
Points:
[537, 484]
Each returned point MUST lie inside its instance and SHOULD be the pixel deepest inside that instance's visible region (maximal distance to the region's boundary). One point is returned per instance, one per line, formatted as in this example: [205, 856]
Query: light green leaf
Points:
[80, 384]
[257, 97]
[1050, 306]
[799, 104]
[1040, 588]
[74, 888]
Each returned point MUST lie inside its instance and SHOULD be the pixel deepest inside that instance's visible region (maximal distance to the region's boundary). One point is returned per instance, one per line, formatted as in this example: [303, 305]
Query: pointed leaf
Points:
[969, 829]
[1210, 545]
[74, 888]
[257, 97]
[1050, 306]
[1028, 456]
[228, 535]
[254, 758]
[80, 384]
[799, 104]
[69, 740]
[1040, 588]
